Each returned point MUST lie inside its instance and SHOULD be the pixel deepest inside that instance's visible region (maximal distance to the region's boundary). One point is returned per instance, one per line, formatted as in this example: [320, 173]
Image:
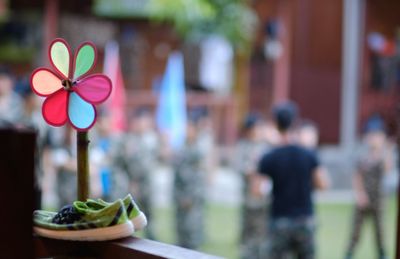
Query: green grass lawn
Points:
[334, 222]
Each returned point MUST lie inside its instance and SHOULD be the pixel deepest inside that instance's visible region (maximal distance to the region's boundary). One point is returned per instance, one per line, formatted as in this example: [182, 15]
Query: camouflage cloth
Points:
[372, 173]
[294, 236]
[134, 158]
[254, 209]
[189, 195]
[253, 232]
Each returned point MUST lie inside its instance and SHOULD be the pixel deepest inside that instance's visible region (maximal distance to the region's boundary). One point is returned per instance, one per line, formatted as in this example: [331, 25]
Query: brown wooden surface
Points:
[124, 248]
[398, 187]
[17, 196]
[317, 62]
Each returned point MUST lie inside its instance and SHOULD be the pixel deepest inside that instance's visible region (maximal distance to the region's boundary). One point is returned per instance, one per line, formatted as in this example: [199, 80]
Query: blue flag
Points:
[171, 110]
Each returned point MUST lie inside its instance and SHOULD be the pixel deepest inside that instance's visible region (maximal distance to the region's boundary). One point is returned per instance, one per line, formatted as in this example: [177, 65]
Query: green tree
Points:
[196, 19]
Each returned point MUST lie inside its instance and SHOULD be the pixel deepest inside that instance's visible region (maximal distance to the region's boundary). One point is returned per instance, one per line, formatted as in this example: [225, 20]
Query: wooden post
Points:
[50, 25]
[17, 167]
[398, 187]
[241, 83]
[282, 73]
[83, 165]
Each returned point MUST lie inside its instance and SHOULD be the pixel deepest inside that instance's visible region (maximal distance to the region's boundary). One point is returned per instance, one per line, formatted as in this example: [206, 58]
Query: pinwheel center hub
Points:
[67, 84]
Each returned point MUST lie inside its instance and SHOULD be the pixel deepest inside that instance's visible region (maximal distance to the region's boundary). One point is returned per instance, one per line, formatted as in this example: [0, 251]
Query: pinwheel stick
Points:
[83, 165]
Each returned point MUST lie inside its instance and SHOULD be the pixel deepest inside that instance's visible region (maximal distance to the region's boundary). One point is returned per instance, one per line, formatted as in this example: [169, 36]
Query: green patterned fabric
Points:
[132, 209]
[80, 216]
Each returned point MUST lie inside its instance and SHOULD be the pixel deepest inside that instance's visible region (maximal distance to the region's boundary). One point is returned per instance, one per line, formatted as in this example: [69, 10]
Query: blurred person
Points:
[373, 162]
[206, 138]
[10, 103]
[31, 118]
[269, 133]
[294, 171]
[134, 159]
[101, 147]
[204, 125]
[189, 187]
[308, 135]
[248, 152]
[63, 156]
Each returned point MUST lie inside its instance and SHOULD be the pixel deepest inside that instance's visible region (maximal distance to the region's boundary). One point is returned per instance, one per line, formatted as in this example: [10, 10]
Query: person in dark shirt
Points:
[294, 171]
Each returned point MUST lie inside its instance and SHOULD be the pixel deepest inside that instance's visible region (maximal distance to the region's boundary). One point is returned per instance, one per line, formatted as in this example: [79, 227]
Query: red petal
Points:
[55, 108]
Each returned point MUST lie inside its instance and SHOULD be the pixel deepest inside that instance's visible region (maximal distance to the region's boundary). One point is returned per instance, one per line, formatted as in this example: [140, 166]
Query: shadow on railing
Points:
[131, 247]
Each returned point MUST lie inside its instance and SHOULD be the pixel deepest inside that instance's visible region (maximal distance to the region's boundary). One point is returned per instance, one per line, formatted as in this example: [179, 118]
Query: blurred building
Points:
[319, 54]
[311, 51]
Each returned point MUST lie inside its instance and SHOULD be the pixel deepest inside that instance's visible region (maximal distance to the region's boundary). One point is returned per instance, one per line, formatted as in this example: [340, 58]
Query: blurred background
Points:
[205, 65]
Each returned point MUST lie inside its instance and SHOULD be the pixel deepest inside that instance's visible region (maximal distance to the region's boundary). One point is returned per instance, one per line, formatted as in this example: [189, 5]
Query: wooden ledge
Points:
[131, 247]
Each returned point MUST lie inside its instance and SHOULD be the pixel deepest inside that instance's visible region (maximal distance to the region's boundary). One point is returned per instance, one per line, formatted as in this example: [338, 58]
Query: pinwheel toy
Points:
[71, 95]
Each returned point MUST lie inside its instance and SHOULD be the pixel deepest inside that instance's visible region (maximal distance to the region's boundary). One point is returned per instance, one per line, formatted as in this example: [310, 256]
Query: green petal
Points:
[84, 59]
[60, 56]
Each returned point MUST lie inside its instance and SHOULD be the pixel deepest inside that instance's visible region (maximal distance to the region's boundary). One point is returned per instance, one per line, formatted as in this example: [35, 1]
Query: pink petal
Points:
[94, 89]
[54, 108]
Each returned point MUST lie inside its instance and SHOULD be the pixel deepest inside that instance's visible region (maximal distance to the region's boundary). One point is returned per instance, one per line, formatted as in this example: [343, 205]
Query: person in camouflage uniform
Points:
[10, 102]
[206, 138]
[189, 189]
[134, 158]
[373, 162]
[248, 152]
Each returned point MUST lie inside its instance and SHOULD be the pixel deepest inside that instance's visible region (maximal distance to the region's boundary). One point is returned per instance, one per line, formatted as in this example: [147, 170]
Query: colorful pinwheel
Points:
[70, 93]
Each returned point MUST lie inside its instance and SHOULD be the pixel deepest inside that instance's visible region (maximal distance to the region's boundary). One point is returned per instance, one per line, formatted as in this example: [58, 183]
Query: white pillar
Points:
[353, 28]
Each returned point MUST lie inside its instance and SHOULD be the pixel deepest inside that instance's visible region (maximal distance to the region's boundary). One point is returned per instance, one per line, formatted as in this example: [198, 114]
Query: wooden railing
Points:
[124, 248]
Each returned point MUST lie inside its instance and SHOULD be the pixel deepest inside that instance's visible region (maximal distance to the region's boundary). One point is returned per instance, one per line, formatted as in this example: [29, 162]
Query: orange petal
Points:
[44, 82]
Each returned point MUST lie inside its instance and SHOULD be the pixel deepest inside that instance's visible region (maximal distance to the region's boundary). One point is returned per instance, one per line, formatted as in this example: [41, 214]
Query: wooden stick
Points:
[83, 165]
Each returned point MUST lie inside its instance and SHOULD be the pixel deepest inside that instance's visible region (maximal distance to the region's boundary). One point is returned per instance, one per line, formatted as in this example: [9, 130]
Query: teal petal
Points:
[81, 113]
[84, 59]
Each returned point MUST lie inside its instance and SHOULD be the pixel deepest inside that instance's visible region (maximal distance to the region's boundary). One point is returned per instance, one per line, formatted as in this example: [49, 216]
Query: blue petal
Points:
[80, 112]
